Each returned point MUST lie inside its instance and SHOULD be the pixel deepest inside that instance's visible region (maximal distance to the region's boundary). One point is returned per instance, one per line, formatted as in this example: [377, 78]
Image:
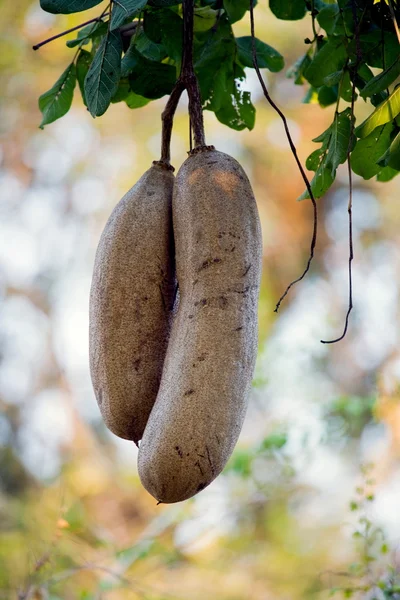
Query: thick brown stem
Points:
[168, 121]
[187, 81]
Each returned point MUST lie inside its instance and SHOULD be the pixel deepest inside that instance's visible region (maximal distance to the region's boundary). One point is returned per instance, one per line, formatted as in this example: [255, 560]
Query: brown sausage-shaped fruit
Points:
[208, 368]
[131, 302]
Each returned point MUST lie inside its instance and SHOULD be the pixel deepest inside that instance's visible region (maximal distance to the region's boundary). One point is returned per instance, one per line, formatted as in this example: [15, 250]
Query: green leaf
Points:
[236, 9]
[329, 59]
[368, 151]
[339, 140]
[335, 146]
[267, 57]
[289, 10]
[67, 6]
[387, 174]
[384, 113]
[148, 78]
[391, 157]
[102, 79]
[320, 183]
[212, 50]
[346, 88]
[57, 101]
[237, 112]
[148, 48]
[296, 71]
[123, 91]
[333, 78]
[314, 159]
[327, 95]
[125, 9]
[363, 76]
[135, 101]
[382, 81]
[327, 17]
[87, 33]
[232, 105]
[82, 67]
[311, 96]
[371, 48]
[394, 153]
[164, 26]
[205, 17]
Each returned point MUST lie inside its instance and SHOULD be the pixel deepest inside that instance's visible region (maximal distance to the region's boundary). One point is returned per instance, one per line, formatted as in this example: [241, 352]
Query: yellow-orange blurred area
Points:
[75, 522]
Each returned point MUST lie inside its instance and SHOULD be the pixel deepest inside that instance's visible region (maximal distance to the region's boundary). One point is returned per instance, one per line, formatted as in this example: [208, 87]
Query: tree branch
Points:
[55, 37]
[187, 81]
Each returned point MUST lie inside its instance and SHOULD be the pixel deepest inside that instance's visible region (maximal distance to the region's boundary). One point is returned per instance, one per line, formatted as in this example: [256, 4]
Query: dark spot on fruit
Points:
[238, 329]
[189, 392]
[202, 357]
[136, 364]
[190, 316]
[223, 302]
[150, 193]
[179, 451]
[202, 302]
[195, 281]
[198, 465]
[207, 263]
[210, 461]
[246, 271]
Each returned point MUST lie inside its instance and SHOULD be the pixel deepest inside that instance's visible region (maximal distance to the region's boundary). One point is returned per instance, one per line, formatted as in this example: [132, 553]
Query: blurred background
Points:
[309, 502]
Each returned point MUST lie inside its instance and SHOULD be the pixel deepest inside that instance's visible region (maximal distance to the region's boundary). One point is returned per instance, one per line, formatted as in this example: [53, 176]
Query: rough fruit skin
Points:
[131, 301]
[208, 368]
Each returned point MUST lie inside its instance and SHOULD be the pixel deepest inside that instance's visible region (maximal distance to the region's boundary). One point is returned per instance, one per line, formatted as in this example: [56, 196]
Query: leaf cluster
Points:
[135, 56]
[352, 41]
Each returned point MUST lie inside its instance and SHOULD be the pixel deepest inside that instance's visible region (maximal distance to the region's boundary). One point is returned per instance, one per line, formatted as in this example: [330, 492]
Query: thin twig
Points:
[351, 255]
[294, 152]
[353, 73]
[55, 37]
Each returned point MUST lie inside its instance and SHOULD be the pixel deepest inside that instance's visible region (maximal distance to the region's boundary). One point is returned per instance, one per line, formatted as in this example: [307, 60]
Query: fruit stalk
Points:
[187, 81]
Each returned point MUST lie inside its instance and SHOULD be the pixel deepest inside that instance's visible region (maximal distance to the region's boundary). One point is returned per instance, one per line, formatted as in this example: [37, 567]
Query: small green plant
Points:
[372, 576]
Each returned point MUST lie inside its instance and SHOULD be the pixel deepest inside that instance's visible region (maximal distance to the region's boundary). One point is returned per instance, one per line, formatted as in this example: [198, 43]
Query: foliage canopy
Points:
[136, 52]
